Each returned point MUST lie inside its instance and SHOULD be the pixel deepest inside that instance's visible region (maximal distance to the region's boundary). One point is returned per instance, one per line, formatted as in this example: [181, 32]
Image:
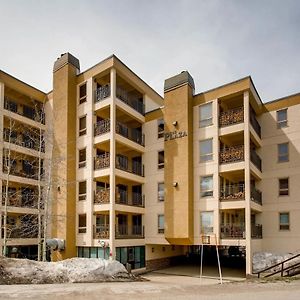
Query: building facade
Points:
[147, 179]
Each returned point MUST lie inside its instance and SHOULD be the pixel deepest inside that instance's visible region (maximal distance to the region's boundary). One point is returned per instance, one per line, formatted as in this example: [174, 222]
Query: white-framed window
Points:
[160, 128]
[82, 126]
[206, 186]
[205, 115]
[161, 223]
[161, 159]
[161, 191]
[82, 93]
[82, 223]
[281, 118]
[82, 190]
[82, 158]
[283, 186]
[206, 150]
[207, 222]
[283, 152]
[284, 221]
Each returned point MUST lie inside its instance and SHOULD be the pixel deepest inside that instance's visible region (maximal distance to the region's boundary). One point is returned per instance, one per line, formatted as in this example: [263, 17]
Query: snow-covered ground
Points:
[23, 271]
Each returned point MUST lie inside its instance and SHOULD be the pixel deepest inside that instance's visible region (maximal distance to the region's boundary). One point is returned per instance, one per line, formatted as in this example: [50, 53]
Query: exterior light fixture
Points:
[175, 123]
[175, 184]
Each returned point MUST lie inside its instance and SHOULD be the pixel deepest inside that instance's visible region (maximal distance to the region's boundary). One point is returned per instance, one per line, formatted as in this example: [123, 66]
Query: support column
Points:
[112, 179]
[247, 184]
[1, 158]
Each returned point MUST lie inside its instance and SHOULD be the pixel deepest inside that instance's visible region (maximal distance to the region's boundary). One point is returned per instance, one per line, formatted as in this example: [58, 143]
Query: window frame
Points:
[160, 133]
[205, 120]
[82, 196]
[82, 99]
[160, 165]
[81, 164]
[82, 131]
[158, 197]
[279, 156]
[202, 192]
[282, 190]
[159, 229]
[211, 155]
[201, 224]
[81, 229]
[284, 226]
[282, 123]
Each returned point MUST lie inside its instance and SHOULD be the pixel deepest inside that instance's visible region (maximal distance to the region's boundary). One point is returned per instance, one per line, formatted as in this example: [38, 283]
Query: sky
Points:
[216, 41]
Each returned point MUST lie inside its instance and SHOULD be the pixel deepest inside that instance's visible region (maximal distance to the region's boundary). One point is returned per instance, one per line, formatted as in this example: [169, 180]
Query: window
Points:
[161, 223]
[82, 126]
[206, 150]
[82, 223]
[284, 221]
[206, 186]
[283, 187]
[283, 152]
[205, 115]
[282, 118]
[82, 190]
[207, 222]
[161, 159]
[82, 158]
[161, 191]
[82, 93]
[160, 128]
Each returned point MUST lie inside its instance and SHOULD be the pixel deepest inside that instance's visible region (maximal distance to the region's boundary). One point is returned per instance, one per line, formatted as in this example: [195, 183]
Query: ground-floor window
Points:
[29, 252]
[135, 256]
[93, 252]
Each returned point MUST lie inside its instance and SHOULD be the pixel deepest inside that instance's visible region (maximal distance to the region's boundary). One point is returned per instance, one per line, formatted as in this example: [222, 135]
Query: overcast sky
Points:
[216, 41]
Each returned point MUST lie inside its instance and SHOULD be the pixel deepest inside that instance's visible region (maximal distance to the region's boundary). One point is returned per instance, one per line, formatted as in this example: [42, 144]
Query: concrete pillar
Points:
[112, 179]
[247, 184]
[1, 155]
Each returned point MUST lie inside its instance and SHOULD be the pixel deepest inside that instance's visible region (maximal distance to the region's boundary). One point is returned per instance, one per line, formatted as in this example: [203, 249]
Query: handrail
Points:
[276, 265]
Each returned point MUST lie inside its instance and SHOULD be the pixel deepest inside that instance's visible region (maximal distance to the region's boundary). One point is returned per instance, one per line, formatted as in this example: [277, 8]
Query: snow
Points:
[23, 271]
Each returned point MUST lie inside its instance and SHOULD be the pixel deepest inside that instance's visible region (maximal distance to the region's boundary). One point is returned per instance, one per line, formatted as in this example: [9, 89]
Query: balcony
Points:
[101, 232]
[135, 168]
[132, 134]
[232, 154]
[25, 173]
[102, 93]
[256, 196]
[33, 113]
[25, 201]
[255, 159]
[232, 231]
[231, 117]
[102, 161]
[24, 231]
[102, 127]
[101, 196]
[130, 100]
[254, 123]
[124, 232]
[256, 231]
[137, 199]
[232, 192]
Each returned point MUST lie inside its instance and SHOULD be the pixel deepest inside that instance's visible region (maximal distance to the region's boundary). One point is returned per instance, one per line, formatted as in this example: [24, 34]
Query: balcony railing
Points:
[130, 100]
[255, 159]
[254, 123]
[232, 192]
[232, 154]
[102, 161]
[102, 127]
[102, 93]
[124, 232]
[232, 231]
[230, 117]
[101, 232]
[132, 134]
[35, 114]
[136, 200]
[256, 231]
[23, 232]
[21, 173]
[256, 195]
[136, 167]
[101, 196]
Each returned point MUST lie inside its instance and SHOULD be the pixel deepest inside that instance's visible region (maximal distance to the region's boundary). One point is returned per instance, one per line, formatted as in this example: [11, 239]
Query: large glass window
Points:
[284, 221]
[82, 223]
[161, 191]
[82, 126]
[282, 118]
[161, 223]
[160, 128]
[82, 190]
[205, 115]
[207, 222]
[161, 159]
[283, 152]
[206, 150]
[206, 186]
[82, 158]
[283, 187]
[82, 93]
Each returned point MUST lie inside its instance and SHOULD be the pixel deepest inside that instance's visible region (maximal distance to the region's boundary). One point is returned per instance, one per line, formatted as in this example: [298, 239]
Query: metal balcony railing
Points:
[101, 232]
[254, 123]
[102, 161]
[102, 93]
[232, 116]
[132, 134]
[256, 231]
[232, 231]
[102, 127]
[124, 232]
[255, 159]
[101, 196]
[137, 199]
[231, 192]
[232, 154]
[135, 168]
[256, 195]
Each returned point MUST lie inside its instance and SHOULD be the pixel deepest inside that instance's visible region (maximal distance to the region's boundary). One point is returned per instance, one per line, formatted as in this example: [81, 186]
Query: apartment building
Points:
[147, 179]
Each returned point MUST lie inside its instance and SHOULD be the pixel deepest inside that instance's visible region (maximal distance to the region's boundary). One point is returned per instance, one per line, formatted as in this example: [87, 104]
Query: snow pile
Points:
[263, 260]
[24, 271]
